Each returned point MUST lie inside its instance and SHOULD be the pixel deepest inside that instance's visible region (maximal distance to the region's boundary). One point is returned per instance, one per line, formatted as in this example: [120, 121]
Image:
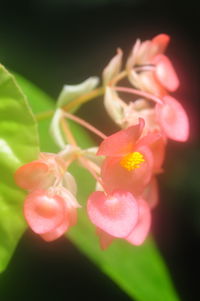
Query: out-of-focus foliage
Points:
[18, 145]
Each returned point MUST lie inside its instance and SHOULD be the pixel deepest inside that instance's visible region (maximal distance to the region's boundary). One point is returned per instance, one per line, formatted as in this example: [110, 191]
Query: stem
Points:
[85, 124]
[84, 98]
[138, 92]
[67, 132]
[86, 164]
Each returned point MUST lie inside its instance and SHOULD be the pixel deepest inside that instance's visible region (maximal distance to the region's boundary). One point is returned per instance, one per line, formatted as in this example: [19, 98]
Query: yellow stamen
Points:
[132, 161]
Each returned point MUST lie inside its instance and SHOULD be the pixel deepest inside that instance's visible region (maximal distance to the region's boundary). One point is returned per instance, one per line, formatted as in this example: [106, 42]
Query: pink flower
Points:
[50, 214]
[115, 214]
[50, 207]
[119, 215]
[130, 159]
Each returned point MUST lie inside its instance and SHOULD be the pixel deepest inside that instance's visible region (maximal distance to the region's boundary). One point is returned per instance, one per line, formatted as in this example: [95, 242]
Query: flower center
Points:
[132, 161]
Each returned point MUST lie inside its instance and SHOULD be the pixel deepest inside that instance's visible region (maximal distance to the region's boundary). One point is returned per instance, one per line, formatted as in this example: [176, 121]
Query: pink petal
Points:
[150, 194]
[165, 72]
[43, 212]
[56, 233]
[115, 176]
[173, 119]
[139, 233]
[105, 239]
[157, 143]
[115, 214]
[33, 175]
[161, 41]
[121, 142]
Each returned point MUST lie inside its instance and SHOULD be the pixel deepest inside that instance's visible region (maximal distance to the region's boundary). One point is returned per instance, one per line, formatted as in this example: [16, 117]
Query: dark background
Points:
[52, 42]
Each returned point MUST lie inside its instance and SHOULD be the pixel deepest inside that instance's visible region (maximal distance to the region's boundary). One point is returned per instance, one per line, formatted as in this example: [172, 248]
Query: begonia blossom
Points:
[139, 231]
[129, 161]
[49, 213]
[115, 213]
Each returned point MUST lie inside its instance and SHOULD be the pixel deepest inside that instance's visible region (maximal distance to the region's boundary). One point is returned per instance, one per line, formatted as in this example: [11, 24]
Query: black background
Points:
[57, 42]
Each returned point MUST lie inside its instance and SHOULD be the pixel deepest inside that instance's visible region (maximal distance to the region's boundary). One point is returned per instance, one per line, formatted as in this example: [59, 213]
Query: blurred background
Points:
[54, 42]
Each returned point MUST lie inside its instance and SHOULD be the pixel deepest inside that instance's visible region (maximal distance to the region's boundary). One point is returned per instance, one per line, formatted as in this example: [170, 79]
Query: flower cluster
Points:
[125, 165]
[50, 207]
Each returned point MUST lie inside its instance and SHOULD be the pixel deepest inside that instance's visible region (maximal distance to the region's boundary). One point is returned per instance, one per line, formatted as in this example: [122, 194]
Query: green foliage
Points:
[18, 144]
[140, 271]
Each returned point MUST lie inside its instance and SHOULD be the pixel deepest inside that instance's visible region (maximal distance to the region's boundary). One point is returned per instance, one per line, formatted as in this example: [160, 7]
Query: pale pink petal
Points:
[105, 239]
[115, 214]
[141, 230]
[121, 142]
[33, 175]
[43, 212]
[56, 233]
[173, 119]
[151, 194]
[149, 83]
[165, 73]
[113, 67]
[115, 176]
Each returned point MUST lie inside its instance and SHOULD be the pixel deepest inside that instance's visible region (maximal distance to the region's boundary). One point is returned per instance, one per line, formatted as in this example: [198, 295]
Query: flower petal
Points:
[161, 41]
[173, 119]
[121, 142]
[113, 67]
[114, 106]
[43, 212]
[105, 239]
[115, 176]
[115, 214]
[165, 73]
[151, 194]
[139, 233]
[33, 175]
[56, 233]
[157, 143]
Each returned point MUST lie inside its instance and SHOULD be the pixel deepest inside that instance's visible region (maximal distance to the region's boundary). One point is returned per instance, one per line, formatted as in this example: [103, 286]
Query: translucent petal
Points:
[115, 214]
[151, 194]
[34, 175]
[173, 119]
[56, 233]
[113, 67]
[114, 105]
[141, 230]
[165, 73]
[105, 239]
[43, 212]
[121, 142]
[70, 92]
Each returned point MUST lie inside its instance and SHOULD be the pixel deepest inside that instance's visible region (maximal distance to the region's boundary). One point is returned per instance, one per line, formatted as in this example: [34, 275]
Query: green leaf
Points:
[19, 144]
[140, 271]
